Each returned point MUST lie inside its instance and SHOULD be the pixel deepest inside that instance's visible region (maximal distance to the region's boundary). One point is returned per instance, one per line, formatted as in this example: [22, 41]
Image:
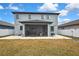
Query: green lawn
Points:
[39, 47]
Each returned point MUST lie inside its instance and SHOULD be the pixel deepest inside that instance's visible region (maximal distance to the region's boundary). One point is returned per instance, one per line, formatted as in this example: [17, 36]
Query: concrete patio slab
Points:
[20, 37]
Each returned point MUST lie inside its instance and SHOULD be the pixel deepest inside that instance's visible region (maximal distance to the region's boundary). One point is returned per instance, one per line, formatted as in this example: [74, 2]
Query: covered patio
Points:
[35, 28]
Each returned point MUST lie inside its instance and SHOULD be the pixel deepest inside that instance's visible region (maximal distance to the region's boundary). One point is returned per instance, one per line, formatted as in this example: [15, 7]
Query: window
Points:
[17, 16]
[47, 16]
[62, 27]
[29, 16]
[52, 28]
[42, 16]
[52, 34]
[21, 28]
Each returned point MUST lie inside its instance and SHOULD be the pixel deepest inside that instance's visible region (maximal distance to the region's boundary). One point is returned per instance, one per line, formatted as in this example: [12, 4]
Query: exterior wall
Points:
[24, 17]
[70, 31]
[6, 31]
[17, 28]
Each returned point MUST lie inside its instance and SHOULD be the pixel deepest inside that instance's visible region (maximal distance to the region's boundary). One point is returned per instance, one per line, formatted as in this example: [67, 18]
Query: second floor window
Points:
[29, 16]
[42, 16]
[47, 16]
[17, 16]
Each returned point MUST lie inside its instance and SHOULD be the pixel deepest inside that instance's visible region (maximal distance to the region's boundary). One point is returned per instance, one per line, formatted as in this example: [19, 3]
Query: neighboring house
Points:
[6, 28]
[70, 28]
[36, 23]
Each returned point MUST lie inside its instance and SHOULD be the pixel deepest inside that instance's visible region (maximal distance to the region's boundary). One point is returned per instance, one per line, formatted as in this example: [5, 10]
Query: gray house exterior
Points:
[69, 29]
[6, 28]
[36, 23]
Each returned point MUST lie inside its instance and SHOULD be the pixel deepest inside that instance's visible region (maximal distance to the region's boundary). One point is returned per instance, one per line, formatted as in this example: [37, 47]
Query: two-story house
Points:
[36, 23]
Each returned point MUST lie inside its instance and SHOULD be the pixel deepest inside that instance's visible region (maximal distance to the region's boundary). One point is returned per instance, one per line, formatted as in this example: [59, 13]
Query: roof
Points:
[34, 13]
[6, 24]
[75, 22]
[36, 21]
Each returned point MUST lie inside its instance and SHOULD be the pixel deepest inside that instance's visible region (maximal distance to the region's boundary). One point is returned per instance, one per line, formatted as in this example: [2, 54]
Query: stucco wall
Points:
[24, 17]
[4, 32]
[70, 31]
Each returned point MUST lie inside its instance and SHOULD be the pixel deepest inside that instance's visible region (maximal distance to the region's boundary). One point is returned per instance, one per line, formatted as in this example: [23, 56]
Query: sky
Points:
[68, 11]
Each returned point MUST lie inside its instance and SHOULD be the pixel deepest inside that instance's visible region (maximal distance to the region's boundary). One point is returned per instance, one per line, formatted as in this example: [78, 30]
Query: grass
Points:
[39, 47]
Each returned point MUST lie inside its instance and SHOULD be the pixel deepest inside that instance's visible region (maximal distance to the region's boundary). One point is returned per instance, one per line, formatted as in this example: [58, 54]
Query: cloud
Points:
[12, 7]
[19, 7]
[78, 14]
[66, 20]
[72, 6]
[63, 12]
[1, 7]
[68, 8]
[62, 21]
[48, 7]
[13, 22]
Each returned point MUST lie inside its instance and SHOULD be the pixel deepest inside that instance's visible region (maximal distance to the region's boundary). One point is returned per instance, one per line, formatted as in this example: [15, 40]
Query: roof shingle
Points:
[76, 22]
[34, 13]
[6, 24]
